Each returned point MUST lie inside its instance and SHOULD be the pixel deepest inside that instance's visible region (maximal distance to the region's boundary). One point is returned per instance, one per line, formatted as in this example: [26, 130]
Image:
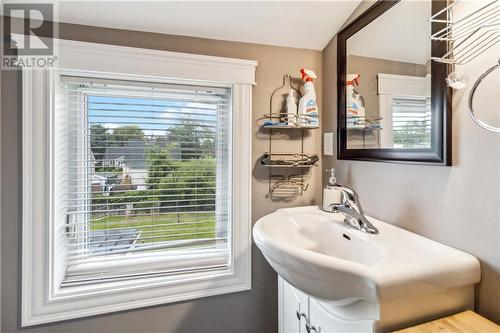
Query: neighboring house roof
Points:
[113, 153]
[133, 154]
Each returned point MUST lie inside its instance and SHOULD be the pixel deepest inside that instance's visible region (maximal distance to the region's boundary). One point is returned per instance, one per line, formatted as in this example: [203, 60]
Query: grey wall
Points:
[458, 205]
[251, 311]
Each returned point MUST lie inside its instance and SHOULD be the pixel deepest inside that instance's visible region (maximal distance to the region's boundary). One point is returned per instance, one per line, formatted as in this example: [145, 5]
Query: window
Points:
[411, 118]
[405, 111]
[147, 178]
[146, 202]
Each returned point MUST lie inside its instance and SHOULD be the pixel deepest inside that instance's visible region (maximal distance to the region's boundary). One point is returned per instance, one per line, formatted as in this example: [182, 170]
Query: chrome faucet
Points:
[345, 200]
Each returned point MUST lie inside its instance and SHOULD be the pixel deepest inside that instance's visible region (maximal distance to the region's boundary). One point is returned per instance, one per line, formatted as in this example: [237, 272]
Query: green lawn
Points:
[164, 227]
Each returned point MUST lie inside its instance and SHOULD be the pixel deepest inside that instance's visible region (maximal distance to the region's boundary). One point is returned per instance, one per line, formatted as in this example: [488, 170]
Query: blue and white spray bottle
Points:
[308, 109]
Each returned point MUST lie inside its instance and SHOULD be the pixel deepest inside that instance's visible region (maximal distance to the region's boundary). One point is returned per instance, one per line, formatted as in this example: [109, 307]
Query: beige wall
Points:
[251, 311]
[459, 205]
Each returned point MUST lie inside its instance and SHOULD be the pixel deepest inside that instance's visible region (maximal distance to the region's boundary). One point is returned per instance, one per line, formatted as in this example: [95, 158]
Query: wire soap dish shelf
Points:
[288, 188]
[303, 121]
[290, 160]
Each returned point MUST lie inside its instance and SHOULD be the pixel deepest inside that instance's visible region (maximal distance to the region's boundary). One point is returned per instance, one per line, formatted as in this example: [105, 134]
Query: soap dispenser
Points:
[330, 193]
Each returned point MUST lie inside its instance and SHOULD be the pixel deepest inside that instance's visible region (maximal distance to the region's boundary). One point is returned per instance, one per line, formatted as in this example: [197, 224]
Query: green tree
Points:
[193, 141]
[156, 140]
[185, 142]
[192, 186]
[160, 165]
[121, 135]
[99, 137]
[414, 134]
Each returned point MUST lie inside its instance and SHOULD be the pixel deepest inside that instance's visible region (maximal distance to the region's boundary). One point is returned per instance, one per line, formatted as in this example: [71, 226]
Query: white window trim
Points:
[42, 302]
[391, 85]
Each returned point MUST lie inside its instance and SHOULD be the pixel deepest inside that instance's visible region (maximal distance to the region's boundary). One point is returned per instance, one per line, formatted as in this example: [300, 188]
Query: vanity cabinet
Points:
[299, 313]
[292, 302]
[362, 316]
[326, 322]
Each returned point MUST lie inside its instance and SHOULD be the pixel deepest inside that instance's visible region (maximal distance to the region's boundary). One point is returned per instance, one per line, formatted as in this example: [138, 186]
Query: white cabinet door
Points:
[321, 320]
[291, 300]
[325, 322]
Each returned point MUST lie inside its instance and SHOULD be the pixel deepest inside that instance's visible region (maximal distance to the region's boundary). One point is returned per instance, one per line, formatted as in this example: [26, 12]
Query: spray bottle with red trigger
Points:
[308, 109]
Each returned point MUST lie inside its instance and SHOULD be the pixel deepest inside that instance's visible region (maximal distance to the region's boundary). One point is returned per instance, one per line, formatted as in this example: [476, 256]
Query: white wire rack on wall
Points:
[467, 38]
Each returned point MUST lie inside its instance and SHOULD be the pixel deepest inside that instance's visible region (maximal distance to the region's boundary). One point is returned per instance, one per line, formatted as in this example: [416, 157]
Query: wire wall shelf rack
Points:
[287, 171]
[469, 36]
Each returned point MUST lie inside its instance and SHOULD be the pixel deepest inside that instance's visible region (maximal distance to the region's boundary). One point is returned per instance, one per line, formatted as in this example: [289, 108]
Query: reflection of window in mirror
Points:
[388, 80]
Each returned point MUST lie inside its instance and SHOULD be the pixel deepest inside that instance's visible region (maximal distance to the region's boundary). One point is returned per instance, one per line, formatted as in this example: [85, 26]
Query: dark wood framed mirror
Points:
[393, 102]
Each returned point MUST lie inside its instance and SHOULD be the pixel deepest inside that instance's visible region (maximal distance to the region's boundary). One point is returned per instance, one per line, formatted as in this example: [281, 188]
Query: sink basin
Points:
[317, 253]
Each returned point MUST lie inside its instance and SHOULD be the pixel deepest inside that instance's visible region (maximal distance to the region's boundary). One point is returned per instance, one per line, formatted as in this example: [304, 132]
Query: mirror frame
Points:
[440, 151]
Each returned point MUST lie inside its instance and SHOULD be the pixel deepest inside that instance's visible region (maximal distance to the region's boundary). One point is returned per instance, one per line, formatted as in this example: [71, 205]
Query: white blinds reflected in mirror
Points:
[411, 119]
[147, 180]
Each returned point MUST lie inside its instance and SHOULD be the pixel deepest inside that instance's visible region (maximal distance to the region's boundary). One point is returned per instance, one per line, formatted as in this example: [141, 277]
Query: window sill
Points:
[143, 293]
[159, 265]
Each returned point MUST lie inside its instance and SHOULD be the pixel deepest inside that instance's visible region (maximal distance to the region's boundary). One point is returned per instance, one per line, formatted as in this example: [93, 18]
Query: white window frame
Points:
[390, 86]
[43, 301]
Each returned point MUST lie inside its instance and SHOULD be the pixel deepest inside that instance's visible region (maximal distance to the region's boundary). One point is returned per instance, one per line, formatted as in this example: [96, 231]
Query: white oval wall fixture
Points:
[455, 81]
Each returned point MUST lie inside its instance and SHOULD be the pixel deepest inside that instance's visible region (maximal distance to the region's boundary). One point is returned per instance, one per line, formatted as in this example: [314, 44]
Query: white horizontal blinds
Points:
[411, 119]
[148, 178]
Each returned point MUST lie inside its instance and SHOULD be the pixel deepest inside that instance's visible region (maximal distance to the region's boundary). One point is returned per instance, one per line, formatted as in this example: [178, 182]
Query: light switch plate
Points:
[328, 143]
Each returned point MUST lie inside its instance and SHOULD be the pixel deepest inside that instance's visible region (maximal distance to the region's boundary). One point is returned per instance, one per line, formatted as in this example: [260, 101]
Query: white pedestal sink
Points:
[388, 280]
